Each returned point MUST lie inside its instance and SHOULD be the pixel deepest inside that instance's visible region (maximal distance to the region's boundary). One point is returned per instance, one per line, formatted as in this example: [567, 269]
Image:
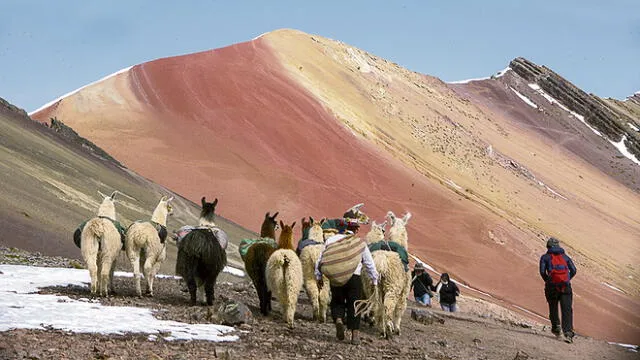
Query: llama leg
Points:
[193, 288]
[312, 292]
[105, 271]
[397, 318]
[113, 268]
[323, 300]
[148, 274]
[208, 290]
[100, 286]
[152, 276]
[134, 258]
[93, 273]
[390, 301]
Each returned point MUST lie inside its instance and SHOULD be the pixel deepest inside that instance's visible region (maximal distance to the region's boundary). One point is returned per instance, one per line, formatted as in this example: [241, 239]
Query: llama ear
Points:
[357, 207]
[281, 225]
[406, 218]
[311, 220]
[170, 199]
[302, 220]
[113, 195]
[274, 215]
[373, 223]
[163, 198]
[266, 215]
[101, 194]
[215, 202]
[322, 220]
[294, 224]
[203, 200]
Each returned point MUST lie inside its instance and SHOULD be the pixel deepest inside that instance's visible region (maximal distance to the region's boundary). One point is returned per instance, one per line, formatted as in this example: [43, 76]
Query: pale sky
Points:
[49, 48]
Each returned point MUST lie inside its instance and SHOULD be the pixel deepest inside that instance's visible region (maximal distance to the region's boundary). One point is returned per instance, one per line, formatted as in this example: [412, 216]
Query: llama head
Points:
[162, 210]
[306, 225]
[107, 207]
[286, 236]
[208, 212]
[376, 233]
[393, 219]
[269, 226]
[315, 230]
[355, 213]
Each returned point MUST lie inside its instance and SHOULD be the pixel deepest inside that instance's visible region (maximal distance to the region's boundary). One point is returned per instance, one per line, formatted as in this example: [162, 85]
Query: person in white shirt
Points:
[343, 297]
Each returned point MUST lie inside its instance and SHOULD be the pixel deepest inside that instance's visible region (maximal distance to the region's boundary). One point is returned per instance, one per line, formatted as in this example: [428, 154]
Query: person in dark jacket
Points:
[422, 285]
[556, 292]
[448, 291]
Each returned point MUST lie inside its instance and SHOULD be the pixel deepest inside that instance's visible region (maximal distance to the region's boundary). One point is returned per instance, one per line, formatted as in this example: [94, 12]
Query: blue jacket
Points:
[545, 263]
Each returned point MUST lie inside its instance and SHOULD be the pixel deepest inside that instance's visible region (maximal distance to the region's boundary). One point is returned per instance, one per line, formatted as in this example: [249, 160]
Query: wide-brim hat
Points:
[418, 266]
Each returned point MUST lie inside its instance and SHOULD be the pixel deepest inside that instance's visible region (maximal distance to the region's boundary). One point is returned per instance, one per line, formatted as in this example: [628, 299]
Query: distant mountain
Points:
[304, 125]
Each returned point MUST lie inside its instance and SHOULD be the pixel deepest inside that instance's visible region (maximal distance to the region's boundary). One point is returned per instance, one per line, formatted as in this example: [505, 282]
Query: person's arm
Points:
[572, 268]
[457, 289]
[543, 268]
[369, 265]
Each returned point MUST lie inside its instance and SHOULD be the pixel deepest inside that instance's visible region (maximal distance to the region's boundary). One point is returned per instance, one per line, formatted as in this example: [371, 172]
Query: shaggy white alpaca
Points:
[142, 236]
[398, 230]
[99, 245]
[394, 282]
[308, 257]
[284, 274]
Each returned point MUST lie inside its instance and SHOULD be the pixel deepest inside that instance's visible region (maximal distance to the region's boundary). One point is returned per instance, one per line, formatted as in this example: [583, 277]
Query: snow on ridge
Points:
[524, 98]
[549, 98]
[21, 307]
[495, 76]
[78, 89]
[259, 36]
[623, 149]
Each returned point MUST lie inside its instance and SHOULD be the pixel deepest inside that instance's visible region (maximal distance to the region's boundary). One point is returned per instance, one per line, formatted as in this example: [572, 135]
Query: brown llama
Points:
[258, 252]
[284, 273]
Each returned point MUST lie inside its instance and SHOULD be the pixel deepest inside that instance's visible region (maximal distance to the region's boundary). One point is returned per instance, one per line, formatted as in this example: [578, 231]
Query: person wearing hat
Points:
[422, 284]
[557, 269]
[343, 297]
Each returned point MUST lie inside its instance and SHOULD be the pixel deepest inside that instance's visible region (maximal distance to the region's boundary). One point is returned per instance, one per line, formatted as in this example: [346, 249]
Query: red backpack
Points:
[559, 270]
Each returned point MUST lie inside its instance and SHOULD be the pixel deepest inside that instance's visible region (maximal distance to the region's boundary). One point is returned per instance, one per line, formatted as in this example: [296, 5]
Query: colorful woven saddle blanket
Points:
[220, 234]
[392, 246]
[245, 244]
[78, 233]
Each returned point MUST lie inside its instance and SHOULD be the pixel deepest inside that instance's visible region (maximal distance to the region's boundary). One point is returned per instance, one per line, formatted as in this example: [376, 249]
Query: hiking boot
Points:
[568, 338]
[355, 337]
[558, 336]
[339, 329]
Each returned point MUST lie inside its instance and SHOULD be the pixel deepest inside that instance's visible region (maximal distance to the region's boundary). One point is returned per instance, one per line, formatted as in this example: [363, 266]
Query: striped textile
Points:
[341, 258]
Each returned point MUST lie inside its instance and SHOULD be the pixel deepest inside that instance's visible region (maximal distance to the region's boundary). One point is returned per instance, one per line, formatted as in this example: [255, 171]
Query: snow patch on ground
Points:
[612, 287]
[76, 90]
[227, 269]
[635, 128]
[21, 307]
[623, 149]
[632, 348]
[454, 185]
[524, 98]
[363, 65]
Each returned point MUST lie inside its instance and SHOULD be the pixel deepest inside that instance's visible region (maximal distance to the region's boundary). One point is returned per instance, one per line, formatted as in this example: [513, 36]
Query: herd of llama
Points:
[275, 265]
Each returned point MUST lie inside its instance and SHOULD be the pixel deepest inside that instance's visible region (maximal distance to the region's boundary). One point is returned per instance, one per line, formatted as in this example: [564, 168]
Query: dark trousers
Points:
[343, 299]
[565, 298]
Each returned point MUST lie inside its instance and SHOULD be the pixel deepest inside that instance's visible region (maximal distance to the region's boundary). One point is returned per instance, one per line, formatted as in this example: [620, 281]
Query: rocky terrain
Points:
[478, 331]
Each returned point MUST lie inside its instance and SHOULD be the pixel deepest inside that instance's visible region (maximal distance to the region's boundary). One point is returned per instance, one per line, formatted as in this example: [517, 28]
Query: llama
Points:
[201, 257]
[398, 230]
[394, 282]
[147, 238]
[258, 252]
[309, 257]
[100, 244]
[284, 273]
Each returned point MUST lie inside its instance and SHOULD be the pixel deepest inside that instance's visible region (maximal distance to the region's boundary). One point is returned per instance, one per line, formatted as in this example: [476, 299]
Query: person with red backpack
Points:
[557, 270]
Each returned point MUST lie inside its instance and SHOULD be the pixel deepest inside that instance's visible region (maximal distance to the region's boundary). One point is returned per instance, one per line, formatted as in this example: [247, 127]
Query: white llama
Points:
[308, 257]
[99, 244]
[148, 238]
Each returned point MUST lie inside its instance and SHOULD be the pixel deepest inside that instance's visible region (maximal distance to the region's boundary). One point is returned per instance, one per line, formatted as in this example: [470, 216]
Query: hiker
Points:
[422, 285]
[557, 269]
[347, 286]
[447, 291]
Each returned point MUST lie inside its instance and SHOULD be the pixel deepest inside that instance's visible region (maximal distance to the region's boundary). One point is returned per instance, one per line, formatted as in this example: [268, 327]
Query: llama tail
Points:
[92, 235]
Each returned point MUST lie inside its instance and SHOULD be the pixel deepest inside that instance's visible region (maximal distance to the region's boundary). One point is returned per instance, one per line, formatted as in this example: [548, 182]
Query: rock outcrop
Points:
[596, 111]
